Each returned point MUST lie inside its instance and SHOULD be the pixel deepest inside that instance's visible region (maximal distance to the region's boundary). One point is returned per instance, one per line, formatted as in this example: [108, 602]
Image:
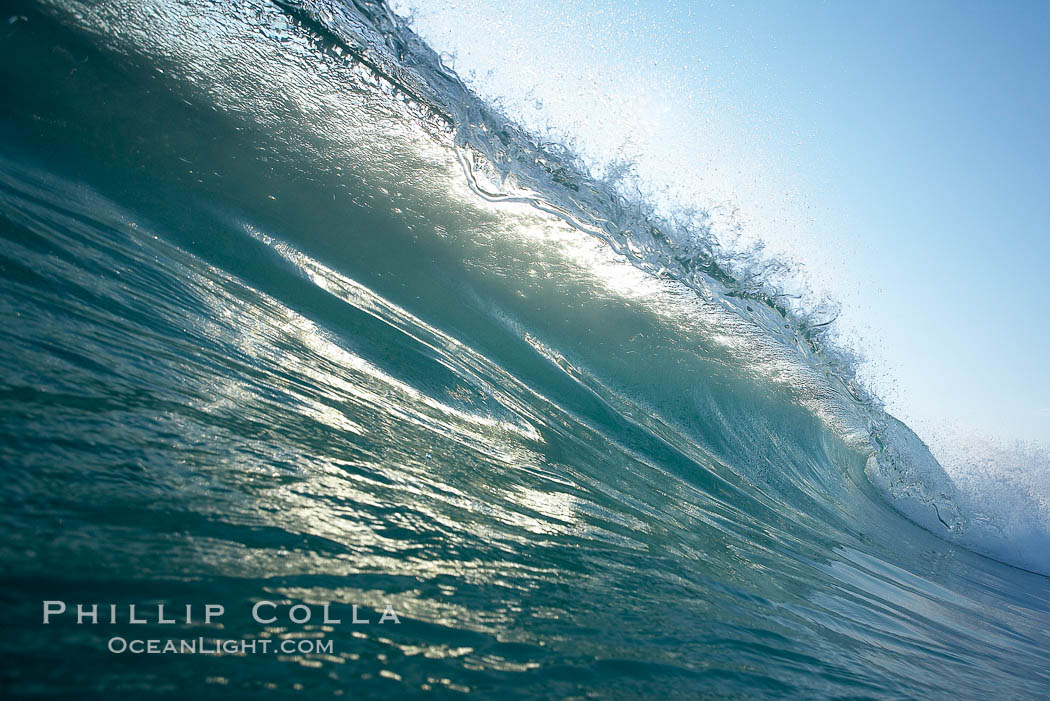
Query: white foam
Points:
[1003, 491]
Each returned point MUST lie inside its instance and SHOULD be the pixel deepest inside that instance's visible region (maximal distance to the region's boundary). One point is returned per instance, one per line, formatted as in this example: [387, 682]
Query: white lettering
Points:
[327, 619]
[212, 610]
[81, 615]
[388, 614]
[255, 612]
[306, 616]
[53, 608]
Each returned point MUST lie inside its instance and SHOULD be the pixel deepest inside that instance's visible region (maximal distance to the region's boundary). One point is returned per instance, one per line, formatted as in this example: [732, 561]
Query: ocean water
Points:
[288, 315]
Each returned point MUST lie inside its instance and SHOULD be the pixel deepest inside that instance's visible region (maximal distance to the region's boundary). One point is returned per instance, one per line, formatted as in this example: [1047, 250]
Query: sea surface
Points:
[288, 314]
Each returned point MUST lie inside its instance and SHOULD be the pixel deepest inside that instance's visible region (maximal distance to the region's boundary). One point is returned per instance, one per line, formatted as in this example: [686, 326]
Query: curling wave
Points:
[502, 162]
[289, 312]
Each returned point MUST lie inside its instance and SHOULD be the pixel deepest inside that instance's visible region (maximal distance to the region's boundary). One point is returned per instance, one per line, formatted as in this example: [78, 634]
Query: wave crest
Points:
[700, 248]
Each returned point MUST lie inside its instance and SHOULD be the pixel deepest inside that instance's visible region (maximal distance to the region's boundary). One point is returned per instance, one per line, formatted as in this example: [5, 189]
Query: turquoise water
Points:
[288, 315]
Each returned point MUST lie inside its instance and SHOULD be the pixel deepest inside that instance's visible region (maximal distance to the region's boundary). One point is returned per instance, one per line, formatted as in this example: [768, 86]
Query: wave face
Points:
[289, 314]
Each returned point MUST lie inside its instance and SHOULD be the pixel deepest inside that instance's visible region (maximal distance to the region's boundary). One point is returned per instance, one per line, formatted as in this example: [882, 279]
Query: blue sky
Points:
[898, 150]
